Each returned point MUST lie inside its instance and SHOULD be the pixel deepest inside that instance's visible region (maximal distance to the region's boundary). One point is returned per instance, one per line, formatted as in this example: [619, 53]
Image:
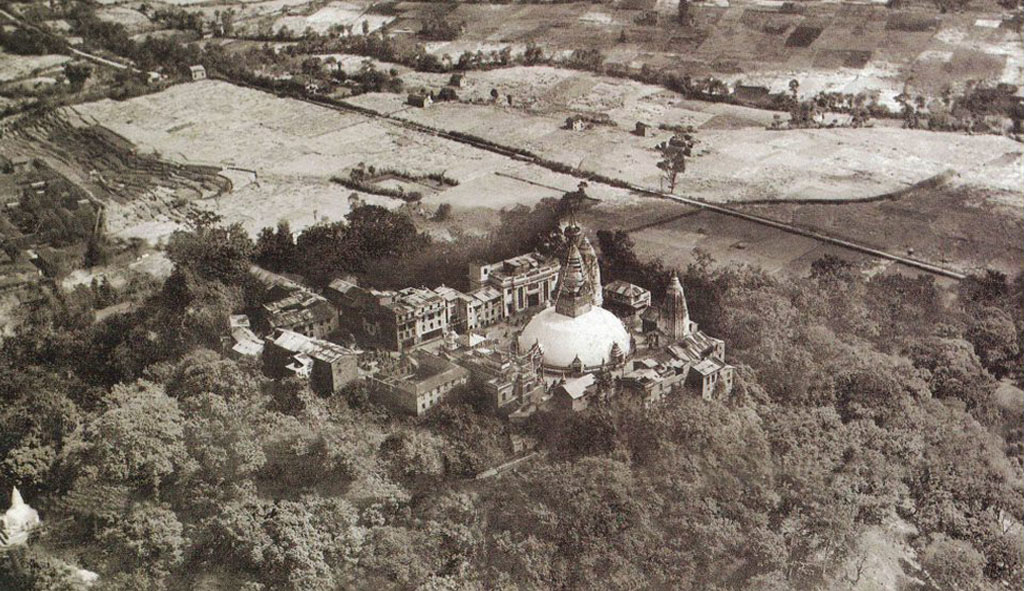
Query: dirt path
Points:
[82, 54]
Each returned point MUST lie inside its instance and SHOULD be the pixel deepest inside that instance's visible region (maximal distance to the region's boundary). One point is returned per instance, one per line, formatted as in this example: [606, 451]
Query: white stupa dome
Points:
[562, 338]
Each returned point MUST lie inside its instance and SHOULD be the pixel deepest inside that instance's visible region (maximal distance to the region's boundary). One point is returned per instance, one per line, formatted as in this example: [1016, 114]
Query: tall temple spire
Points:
[574, 294]
[675, 315]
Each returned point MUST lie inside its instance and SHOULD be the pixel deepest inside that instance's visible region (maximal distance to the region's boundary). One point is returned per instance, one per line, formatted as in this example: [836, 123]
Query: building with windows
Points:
[303, 312]
[456, 306]
[524, 281]
[419, 383]
[395, 320]
[328, 366]
[510, 380]
[410, 317]
[485, 309]
[651, 379]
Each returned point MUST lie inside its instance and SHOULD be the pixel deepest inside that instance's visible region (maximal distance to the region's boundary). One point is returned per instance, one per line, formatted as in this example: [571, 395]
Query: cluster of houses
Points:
[418, 345]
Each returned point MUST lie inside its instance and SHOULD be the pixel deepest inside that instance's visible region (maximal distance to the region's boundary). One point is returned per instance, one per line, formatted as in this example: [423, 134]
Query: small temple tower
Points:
[616, 357]
[574, 292]
[18, 521]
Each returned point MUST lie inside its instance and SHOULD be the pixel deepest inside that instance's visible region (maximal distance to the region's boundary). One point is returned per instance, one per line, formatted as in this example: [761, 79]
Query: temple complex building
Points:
[510, 380]
[683, 356]
[524, 281]
[419, 383]
[576, 335]
[626, 300]
[395, 320]
[328, 366]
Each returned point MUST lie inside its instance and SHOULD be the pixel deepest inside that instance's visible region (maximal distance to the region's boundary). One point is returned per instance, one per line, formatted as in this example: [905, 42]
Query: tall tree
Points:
[674, 153]
[683, 12]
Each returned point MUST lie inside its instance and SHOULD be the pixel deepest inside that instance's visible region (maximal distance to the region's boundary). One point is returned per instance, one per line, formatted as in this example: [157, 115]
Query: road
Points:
[82, 54]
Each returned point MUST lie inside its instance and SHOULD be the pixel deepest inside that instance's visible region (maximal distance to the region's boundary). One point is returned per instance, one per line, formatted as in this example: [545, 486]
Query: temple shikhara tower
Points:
[673, 318]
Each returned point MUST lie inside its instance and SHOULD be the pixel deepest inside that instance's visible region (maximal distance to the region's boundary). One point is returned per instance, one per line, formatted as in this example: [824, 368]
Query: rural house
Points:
[423, 380]
[197, 72]
[751, 94]
[420, 100]
[328, 366]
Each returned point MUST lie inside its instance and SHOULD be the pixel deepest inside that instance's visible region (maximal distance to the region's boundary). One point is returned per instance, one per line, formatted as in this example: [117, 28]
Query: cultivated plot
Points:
[282, 166]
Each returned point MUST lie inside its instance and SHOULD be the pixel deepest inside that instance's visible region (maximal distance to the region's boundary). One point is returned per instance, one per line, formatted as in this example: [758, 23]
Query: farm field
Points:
[736, 159]
[249, 15]
[827, 46]
[13, 67]
[133, 20]
[335, 13]
[281, 166]
[954, 227]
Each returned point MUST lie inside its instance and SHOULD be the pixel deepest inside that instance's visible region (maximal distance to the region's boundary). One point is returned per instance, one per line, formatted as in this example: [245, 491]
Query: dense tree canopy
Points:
[860, 403]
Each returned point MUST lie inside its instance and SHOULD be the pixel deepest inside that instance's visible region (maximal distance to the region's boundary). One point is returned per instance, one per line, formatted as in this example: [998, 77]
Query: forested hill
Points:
[160, 464]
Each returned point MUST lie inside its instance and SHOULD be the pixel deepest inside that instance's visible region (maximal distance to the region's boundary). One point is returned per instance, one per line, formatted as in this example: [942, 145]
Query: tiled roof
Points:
[624, 288]
[342, 286]
[694, 347]
[577, 387]
[486, 294]
[313, 348]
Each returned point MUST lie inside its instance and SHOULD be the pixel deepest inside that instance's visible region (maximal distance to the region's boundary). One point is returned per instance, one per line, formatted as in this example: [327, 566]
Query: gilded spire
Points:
[675, 293]
[574, 277]
[574, 295]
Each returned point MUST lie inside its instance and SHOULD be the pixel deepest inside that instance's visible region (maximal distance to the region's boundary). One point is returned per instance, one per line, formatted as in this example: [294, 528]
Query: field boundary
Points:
[932, 182]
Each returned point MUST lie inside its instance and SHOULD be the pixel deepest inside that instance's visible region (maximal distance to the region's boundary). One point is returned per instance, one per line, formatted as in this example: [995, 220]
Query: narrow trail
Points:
[82, 54]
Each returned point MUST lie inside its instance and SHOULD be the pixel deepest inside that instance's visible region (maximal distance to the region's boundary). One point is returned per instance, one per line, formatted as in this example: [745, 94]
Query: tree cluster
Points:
[859, 403]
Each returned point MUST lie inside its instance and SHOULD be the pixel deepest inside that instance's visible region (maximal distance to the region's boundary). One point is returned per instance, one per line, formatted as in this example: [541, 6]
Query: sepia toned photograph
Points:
[511, 295]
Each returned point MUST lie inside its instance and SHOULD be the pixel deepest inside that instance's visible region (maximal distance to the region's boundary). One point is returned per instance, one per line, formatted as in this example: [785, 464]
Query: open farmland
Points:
[281, 165]
[954, 227]
[827, 46]
[14, 67]
[335, 13]
[133, 21]
[250, 16]
[736, 159]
